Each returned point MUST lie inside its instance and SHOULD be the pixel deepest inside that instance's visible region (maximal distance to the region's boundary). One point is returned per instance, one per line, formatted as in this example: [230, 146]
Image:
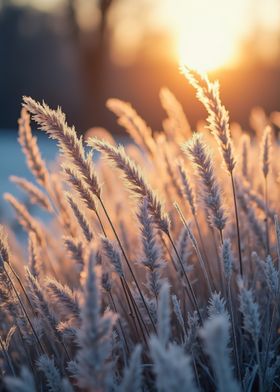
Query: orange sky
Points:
[206, 34]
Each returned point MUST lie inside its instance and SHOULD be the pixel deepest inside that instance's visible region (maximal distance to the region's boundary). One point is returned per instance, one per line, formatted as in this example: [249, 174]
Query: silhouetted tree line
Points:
[44, 55]
[49, 56]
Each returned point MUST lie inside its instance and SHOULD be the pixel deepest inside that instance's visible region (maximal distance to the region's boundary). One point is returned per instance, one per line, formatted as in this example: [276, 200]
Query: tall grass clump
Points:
[158, 267]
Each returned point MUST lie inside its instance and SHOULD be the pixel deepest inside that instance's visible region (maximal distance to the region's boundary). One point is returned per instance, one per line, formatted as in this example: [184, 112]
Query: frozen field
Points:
[12, 162]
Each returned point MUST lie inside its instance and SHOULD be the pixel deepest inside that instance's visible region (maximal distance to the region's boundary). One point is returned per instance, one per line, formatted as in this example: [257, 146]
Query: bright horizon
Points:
[210, 37]
[204, 37]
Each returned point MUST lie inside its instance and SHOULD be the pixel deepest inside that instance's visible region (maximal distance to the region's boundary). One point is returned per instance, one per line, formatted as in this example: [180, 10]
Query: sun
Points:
[208, 33]
[205, 53]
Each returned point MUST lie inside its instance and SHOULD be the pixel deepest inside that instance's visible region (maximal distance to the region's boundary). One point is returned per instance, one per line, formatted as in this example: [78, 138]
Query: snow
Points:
[12, 162]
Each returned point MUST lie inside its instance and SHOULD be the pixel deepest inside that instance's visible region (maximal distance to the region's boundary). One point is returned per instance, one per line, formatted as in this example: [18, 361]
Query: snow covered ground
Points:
[12, 162]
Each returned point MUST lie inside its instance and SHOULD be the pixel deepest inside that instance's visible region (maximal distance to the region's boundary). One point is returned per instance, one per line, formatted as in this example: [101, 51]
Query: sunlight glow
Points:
[208, 33]
[205, 34]
[205, 53]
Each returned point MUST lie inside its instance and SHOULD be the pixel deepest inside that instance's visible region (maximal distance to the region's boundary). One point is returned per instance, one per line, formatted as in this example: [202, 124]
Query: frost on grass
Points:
[110, 292]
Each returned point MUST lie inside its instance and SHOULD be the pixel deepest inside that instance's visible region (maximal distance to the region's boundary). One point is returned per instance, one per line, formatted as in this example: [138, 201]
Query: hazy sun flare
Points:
[208, 33]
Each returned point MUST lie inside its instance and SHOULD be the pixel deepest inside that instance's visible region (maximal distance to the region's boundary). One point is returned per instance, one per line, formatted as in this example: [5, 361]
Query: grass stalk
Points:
[193, 297]
[21, 285]
[132, 312]
[266, 216]
[128, 264]
[25, 312]
[119, 322]
[136, 312]
[237, 224]
[100, 223]
[232, 321]
[209, 271]
[196, 247]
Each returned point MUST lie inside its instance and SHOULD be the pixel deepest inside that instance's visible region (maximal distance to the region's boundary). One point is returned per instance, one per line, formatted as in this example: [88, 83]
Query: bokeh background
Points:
[78, 53]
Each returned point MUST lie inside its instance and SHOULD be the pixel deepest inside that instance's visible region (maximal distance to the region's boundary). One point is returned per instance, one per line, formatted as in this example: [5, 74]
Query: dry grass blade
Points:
[134, 179]
[36, 196]
[86, 300]
[53, 122]
[30, 148]
[133, 123]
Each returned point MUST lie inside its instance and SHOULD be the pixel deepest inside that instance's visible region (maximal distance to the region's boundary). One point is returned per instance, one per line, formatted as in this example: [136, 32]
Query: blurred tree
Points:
[92, 48]
[63, 56]
[38, 59]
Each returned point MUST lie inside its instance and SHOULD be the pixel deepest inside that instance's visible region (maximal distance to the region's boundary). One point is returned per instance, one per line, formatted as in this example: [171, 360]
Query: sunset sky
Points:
[205, 34]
